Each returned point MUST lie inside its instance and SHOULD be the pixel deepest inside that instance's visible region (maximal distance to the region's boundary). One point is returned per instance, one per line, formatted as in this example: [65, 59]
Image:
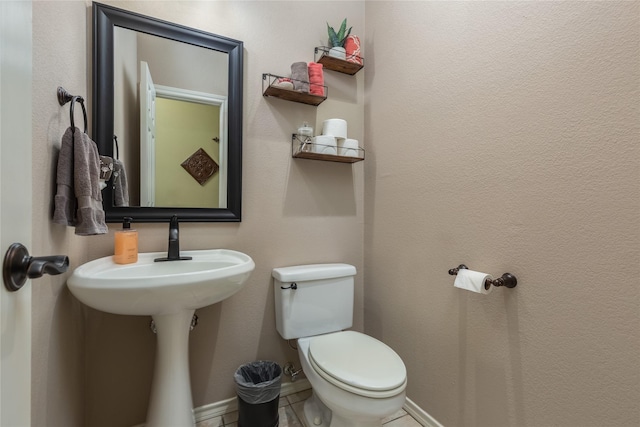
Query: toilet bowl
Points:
[356, 380]
[349, 390]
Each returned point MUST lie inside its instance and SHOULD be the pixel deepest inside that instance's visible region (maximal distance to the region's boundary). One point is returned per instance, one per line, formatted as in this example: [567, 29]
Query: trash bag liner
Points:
[258, 382]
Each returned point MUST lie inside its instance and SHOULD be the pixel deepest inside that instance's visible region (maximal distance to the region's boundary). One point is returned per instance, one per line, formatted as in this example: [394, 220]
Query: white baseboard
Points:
[420, 415]
[222, 407]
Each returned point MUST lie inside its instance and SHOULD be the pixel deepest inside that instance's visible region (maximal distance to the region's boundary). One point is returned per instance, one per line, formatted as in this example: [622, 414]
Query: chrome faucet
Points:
[174, 243]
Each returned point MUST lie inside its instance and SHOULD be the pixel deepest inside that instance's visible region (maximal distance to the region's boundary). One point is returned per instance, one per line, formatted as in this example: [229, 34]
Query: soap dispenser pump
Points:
[126, 244]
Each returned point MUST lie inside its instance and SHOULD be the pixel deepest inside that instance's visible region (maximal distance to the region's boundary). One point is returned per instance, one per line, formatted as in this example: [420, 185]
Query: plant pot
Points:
[338, 52]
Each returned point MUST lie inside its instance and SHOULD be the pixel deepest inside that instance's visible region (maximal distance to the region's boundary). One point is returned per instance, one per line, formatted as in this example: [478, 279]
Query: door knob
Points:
[19, 266]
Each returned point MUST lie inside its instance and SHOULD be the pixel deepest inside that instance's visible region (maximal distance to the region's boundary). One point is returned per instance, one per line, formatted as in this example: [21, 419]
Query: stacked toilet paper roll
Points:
[335, 127]
[472, 281]
[334, 140]
[348, 147]
[324, 144]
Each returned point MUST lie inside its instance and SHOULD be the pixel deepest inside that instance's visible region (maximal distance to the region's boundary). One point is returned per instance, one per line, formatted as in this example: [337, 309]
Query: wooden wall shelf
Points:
[321, 56]
[303, 148]
[269, 89]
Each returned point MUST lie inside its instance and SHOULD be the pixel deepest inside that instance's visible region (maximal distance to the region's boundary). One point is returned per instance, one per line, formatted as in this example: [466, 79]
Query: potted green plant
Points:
[336, 40]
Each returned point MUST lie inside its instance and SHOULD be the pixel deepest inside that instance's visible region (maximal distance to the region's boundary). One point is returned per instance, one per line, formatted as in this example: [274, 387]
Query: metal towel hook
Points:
[507, 280]
[64, 97]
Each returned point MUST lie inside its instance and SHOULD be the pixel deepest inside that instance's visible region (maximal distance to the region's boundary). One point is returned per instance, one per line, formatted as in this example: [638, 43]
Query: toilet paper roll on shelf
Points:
[348, 147]
[335, 127]
[324, 144]
[476, 281]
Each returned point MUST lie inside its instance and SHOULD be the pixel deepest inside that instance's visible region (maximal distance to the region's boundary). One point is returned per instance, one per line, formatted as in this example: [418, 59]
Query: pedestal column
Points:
[171, 404]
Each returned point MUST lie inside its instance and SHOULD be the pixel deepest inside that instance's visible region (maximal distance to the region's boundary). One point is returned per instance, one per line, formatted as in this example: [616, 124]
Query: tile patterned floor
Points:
[291, 411]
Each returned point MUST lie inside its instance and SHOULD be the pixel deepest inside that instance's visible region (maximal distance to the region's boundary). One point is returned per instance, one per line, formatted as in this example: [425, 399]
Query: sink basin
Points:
[169, 292]
[152, 288]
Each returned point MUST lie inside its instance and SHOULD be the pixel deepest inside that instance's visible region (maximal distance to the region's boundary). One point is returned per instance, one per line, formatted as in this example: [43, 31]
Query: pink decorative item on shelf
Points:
[352, 48]
[316, 79]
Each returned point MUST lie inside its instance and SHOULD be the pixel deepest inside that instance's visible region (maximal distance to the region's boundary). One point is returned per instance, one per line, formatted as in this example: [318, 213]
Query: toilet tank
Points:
[313, 299]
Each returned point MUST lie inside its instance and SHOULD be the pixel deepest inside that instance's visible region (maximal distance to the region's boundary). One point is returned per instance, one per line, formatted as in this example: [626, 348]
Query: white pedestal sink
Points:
[170, 292]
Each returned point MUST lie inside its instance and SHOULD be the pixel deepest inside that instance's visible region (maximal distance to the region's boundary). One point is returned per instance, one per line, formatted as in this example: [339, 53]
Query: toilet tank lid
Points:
[301, 273]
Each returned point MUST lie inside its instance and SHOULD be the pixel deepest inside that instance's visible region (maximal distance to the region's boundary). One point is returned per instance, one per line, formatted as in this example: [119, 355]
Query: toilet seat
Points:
[358, 363]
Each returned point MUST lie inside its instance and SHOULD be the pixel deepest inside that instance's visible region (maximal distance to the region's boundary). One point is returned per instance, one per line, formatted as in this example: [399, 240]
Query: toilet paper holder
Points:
[507, 279]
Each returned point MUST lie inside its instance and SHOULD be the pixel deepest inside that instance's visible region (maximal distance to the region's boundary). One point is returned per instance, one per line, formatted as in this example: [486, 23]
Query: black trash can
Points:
[258, 389]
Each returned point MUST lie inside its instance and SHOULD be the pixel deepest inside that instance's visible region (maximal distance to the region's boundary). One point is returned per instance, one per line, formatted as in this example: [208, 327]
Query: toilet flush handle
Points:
[293, 286]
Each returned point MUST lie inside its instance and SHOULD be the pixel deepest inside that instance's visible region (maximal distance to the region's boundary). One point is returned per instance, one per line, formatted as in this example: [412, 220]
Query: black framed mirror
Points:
[119, 110]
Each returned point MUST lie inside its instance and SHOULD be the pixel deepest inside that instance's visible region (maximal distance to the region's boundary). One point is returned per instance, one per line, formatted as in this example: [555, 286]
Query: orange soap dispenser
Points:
[126, 244]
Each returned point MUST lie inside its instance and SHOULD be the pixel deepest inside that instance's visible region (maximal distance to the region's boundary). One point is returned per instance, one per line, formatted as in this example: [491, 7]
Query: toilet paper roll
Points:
[324, 144]
[335, 127]
[348, 147]
[472, 281]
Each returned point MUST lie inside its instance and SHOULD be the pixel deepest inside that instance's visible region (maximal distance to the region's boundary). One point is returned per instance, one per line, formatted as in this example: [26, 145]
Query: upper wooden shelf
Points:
[270, 89]
[340, 65]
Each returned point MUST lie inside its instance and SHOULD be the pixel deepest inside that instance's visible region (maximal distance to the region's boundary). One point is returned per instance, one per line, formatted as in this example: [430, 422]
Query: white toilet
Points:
[356, 380]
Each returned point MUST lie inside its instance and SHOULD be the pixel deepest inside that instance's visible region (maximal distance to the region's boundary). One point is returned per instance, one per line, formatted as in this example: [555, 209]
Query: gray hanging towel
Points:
[78, 200]
[120, 185]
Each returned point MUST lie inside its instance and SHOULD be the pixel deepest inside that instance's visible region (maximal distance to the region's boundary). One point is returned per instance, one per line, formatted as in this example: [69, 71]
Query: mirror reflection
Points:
[168, 106]
[170, 120]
